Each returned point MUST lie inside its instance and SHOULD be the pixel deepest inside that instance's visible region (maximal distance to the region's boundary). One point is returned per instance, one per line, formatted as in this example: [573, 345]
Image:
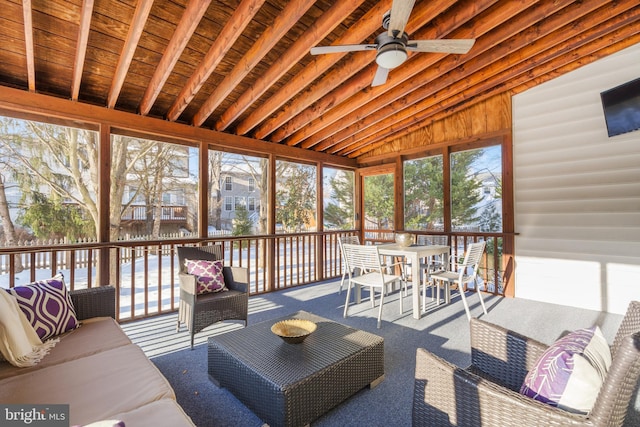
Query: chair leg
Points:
[423, 288]
[447, 292]
[380, 309]
[342, 282]
[346, 302]
[401, 297]
[192, 336]
[464, 301]
[372, 294]
[484, 309]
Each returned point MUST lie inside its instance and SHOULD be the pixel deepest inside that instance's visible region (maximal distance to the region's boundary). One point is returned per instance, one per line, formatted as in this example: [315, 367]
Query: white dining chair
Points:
[350, 240]
[461, 276]
[366, 258]
[431, 264]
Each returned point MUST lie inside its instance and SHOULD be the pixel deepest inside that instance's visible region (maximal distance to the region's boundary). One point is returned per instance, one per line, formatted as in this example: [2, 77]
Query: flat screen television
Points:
[621, 106]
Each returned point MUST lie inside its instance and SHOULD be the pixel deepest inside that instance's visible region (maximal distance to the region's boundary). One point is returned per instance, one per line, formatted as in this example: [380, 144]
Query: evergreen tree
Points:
[378, 201]
[51, 219]
[423, 192]
[242, 225]
[465, 189]
[296, 198]
[339, 213]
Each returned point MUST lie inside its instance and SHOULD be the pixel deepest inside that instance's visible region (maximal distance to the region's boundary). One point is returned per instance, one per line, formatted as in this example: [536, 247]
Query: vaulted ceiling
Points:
[243, 66]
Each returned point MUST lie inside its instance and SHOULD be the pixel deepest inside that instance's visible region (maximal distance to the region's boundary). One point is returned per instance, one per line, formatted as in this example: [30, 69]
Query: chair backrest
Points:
[432, 240]
[472, 259]
[618, 389]
[364, 257]
[630, 325]
[352, 239]
[208, 253]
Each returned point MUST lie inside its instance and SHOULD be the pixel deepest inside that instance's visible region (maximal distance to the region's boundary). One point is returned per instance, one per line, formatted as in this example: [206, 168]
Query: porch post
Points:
[104, 203]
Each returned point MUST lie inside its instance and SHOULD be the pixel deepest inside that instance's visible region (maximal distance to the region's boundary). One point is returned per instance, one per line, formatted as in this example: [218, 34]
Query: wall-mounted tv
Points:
[621, 107]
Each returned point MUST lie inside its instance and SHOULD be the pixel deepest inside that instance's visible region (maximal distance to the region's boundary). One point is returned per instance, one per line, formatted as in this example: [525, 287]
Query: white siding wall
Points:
[577, 191]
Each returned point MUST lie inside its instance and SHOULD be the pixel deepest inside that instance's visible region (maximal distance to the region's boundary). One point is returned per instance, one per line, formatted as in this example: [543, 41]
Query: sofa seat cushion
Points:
[96, 387]
[163, 412]
[96, 335]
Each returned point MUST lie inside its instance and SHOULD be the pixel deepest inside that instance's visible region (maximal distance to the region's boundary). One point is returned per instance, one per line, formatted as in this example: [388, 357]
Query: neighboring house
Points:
[238, 189]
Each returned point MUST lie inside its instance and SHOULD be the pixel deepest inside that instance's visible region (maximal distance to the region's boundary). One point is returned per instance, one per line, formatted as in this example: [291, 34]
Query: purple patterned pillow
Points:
[209, 277]
[47, 305]
[571, 371]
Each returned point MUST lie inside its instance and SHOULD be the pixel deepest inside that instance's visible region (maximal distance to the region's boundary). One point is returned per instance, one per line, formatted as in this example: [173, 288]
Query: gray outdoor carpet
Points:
[443, 330]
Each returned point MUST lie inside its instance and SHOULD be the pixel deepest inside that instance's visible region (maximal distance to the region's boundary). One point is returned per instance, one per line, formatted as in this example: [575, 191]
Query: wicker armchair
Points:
[486, 393]
[199, 311]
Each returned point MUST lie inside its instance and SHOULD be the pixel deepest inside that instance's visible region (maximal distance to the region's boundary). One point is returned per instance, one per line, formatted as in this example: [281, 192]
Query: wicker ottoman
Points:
[293, 384]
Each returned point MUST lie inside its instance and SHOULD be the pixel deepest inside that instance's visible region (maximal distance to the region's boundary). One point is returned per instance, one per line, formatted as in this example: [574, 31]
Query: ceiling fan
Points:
[393, 44]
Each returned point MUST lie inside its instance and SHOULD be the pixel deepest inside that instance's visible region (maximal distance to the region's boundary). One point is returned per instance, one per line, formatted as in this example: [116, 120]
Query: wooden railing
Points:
[145, 272]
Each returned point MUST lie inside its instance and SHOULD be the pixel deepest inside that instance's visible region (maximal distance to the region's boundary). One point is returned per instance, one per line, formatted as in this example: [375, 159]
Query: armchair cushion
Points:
[571, 371]
[48, 306]
[209, 276]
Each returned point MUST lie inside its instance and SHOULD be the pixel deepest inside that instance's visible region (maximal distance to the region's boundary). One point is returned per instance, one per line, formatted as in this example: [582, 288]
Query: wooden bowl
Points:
[293, 331]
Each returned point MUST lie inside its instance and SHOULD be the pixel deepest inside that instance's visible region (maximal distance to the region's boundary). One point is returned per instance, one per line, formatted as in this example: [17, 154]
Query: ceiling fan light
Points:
[391, 56]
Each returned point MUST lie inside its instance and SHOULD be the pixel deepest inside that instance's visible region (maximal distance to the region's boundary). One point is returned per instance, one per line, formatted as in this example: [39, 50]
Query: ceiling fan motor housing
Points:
[392, 51]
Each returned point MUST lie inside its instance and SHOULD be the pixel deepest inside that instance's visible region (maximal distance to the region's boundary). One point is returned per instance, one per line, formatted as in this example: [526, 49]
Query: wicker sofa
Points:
[486, 393]
[98, 371]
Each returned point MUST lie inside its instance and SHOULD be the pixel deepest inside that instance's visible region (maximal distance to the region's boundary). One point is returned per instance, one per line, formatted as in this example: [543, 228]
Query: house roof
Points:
[243, 66]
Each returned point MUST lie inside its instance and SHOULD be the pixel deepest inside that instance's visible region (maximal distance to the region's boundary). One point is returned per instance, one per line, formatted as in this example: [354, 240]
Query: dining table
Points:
[414, 253]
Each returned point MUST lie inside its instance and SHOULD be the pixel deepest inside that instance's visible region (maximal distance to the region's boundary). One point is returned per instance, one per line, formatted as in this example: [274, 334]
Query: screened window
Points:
[338, 190]
[246, 175]
[476, 190]
[295, 196]
[423, 194]
[157, 171]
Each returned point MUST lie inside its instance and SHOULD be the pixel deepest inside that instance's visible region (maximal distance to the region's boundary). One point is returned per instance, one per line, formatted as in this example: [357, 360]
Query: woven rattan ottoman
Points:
[293, 384]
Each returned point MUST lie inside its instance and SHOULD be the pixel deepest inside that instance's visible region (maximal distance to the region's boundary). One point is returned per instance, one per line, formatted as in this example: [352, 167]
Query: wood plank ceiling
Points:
[243, 66]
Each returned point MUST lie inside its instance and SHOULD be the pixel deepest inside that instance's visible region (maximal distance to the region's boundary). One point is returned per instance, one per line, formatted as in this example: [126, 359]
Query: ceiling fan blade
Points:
[441, 46]
[400, 11]
[318, 50]
[381, 77]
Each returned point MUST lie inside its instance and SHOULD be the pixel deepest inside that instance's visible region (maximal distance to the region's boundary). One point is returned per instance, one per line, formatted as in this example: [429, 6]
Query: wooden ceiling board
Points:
[336, 111]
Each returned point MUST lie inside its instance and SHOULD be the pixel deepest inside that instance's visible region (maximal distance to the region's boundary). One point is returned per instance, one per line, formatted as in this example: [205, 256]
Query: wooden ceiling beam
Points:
[322, 92]
[289, 16]
[360, 30]
[192, 16]
[28, 44]
[241, 17]
[553, 47]
[126, 56]
[403, 80]
[622, 39]
[81, 47]
[314, 34]
[535, 60]
[19, 102]
[489, 49]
